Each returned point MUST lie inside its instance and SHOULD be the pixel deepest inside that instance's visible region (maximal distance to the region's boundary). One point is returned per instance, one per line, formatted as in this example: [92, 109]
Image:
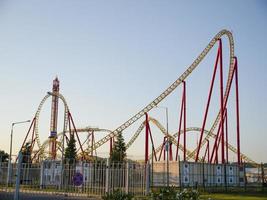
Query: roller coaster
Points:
[217, 135]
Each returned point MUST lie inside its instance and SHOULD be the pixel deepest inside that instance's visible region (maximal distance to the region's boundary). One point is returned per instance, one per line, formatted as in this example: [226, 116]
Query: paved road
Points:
[29, 196]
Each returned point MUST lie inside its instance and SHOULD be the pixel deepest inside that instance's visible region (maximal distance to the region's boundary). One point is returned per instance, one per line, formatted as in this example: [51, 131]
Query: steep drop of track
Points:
[175, 84]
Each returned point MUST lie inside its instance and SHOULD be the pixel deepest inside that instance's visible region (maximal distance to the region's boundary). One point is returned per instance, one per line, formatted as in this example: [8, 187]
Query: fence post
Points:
[16, 195]
[262, 176]
[127, 178]
[1, 163]
[147, 178]
[203, 174]
[107, 177]
[9, 173]
[42, 175]
[225, 176]
[245, 177]
[180, 180]
[62, 173]
[152, 168]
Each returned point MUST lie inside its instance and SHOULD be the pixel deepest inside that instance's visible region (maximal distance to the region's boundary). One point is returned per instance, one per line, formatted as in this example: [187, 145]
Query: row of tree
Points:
[3, 156]
[26, 154]
[118, 153]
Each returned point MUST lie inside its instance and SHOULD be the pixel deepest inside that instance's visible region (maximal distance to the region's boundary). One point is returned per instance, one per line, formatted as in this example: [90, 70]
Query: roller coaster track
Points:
[231, 147]
[175, 84]
[79, 130]
[162, 129]
[190, 129]
[37, 114]
[136, 134]
[156, 101]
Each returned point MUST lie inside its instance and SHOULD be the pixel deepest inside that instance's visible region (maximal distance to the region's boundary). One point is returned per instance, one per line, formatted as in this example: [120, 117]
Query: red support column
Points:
[162, 147]
[208, 104]
[180, 126]
[170, 151]
[75, 130]
[146, 139]
[152, 142]
[184, 84]
[207, 151]
[216, 149]
[32, 125]
[35, 154]
[164, 151]
[32, 141]
[222, 104]
[217, 140]
[216, 155]
[215, 143]
[69, 125]
[237, 112]
[225, 103]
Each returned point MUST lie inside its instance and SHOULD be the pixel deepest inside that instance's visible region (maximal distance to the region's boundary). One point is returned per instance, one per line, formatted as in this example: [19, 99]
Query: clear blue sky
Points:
[114, 57]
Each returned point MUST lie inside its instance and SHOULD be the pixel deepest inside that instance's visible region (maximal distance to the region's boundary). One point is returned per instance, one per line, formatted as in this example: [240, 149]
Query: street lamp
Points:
[10, 150]
[167, 144]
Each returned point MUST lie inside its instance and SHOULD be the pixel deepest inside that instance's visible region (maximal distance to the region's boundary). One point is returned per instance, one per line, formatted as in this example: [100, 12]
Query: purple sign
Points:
[53, 133]
[77, 179]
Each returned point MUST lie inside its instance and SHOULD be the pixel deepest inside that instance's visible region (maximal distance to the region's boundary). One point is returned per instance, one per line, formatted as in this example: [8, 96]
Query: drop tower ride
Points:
[54, 119]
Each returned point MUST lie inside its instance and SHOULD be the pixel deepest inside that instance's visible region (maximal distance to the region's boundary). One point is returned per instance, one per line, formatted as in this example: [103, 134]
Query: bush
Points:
[164, 193]
[188, 194]
[117, 195]
[172, 193]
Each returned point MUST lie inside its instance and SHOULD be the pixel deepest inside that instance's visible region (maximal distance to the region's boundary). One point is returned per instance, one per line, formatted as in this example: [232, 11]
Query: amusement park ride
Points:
[211, 142]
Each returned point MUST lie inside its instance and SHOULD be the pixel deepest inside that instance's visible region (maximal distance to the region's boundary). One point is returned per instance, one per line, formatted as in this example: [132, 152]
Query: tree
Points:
[26, 153]
[71, 152]
[118, 153]
[3, 156]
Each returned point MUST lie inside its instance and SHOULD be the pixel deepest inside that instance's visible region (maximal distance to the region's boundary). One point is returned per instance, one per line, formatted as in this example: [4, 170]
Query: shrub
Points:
[188, 194]
[172, 193]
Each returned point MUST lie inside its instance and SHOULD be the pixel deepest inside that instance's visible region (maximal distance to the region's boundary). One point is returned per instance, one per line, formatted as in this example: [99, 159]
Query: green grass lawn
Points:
[241, 196]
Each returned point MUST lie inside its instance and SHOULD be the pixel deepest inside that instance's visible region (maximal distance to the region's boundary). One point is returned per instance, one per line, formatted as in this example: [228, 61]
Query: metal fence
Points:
[205, 175]
[76, 179]
[256, 176]
[85, 179]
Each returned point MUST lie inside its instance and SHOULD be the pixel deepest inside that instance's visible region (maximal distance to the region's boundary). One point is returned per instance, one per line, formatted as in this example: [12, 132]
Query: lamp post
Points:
[167, 144]
[10, 150]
